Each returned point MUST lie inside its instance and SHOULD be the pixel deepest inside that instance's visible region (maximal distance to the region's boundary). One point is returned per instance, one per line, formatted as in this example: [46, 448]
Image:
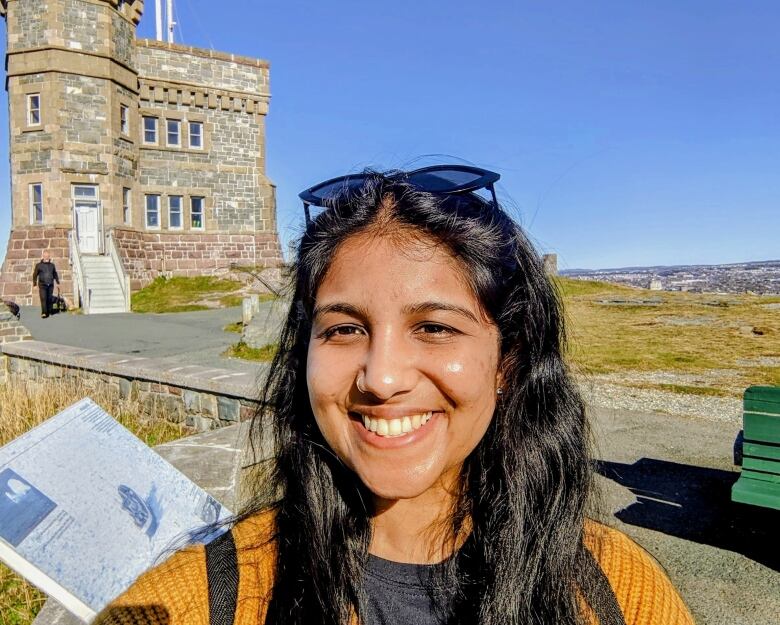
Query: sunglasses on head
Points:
[443, 179]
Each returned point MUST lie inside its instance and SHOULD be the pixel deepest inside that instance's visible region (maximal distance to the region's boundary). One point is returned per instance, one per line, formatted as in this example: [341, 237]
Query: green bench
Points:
[758, 449]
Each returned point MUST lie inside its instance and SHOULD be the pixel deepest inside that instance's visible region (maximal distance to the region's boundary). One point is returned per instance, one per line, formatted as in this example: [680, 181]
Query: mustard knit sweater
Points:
[176, 592]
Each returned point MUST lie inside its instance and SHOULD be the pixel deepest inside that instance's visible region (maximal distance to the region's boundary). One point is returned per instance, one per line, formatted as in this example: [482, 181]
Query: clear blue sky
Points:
[626, 133]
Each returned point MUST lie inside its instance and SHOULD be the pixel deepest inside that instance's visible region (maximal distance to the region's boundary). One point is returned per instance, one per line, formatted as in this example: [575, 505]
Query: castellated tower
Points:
[129, 158]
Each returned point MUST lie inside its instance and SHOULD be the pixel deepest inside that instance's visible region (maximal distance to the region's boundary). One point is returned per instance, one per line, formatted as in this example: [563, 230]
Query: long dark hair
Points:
[523, 489]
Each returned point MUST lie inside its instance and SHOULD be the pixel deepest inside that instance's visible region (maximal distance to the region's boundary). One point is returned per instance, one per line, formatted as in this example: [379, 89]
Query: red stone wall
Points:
[25, 246]
[146, 255]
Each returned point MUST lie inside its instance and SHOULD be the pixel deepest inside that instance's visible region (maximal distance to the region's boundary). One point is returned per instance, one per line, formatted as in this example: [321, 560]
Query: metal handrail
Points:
[124, 277]
[80, 289]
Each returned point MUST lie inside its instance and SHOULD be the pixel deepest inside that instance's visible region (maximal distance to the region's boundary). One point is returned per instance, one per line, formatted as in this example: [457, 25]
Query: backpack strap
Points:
[599, 593]
[222, 574]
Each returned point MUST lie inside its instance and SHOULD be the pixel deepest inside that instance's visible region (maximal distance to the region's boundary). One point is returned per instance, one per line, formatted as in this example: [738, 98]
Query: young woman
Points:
[431, 449]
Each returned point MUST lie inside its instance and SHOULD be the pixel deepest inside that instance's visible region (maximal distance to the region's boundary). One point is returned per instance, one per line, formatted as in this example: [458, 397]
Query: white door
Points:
[86, 208]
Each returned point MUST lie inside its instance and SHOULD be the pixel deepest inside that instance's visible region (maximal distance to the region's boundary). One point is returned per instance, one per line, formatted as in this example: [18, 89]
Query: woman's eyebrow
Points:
[340, 307]
[424, 307]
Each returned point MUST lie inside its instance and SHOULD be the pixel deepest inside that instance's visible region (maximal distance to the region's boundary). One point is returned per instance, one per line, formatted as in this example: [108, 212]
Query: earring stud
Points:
[499, 391]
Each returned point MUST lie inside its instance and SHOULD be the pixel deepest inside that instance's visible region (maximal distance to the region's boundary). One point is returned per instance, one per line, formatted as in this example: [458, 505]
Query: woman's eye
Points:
[341, 332]
[435, 330]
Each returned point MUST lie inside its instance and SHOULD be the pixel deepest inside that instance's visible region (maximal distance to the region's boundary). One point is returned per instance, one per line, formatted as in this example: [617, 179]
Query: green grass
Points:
[237, 327]
[230, 301]
[570, 287]
[615, 339]
[688, 389]
[181, 294]
[261, 354]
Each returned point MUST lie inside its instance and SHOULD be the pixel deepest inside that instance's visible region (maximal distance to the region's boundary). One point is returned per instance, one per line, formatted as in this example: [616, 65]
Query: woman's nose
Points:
[389, 368]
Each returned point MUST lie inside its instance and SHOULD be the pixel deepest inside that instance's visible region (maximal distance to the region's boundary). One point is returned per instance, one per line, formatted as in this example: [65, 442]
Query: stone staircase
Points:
[106, 294]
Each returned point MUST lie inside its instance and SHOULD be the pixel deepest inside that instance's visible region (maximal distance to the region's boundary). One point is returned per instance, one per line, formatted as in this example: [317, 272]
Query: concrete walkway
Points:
[192, 338]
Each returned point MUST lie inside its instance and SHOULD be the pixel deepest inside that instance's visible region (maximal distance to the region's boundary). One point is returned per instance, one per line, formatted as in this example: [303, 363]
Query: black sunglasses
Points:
[445, 179]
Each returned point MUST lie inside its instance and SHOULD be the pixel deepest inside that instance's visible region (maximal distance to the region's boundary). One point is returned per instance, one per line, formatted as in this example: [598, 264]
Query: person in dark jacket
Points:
[45, 275]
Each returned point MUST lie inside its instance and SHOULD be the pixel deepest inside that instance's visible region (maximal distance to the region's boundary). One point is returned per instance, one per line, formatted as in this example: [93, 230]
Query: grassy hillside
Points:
[708, 344]
[184, 294]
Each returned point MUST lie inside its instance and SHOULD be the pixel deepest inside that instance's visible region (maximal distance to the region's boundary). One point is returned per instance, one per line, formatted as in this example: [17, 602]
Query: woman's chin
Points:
[401, 483]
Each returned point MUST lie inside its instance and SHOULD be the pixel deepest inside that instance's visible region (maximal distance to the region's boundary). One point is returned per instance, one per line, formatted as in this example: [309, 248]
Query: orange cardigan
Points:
[176, 592]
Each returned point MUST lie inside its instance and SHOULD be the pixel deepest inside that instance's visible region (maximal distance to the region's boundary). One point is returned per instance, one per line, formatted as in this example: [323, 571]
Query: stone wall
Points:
[229, 96]
[202, 398]
[29, 13]
[25, 248]
[185, 64]
[145, 255]
[11, 329]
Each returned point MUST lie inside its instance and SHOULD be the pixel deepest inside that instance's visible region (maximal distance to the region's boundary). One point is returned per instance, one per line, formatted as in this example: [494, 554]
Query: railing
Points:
[80, 289]
[124, 277]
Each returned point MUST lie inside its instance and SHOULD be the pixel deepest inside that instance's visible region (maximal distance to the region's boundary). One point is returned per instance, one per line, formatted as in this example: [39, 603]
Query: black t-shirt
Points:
[403, 594]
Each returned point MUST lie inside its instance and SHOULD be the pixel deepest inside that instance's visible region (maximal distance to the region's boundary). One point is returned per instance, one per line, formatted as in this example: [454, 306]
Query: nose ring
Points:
[360, 382]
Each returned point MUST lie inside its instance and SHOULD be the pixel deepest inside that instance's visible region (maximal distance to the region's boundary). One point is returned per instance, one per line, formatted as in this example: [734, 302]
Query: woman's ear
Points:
[499, 380]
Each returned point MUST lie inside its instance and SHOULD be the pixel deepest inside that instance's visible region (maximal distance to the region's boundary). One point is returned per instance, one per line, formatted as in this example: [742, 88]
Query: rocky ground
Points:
[615, 392]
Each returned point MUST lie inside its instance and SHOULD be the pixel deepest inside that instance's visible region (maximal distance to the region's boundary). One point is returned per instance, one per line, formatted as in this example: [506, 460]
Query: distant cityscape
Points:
[760, 277]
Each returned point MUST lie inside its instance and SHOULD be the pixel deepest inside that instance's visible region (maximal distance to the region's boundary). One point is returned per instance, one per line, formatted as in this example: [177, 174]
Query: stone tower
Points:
[148, 152]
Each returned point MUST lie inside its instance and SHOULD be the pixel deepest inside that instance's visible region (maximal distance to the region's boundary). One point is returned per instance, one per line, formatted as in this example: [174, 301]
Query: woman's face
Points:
[402, 367]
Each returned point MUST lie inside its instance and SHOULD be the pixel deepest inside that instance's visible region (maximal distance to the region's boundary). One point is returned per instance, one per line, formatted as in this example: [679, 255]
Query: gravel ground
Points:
[602, 393]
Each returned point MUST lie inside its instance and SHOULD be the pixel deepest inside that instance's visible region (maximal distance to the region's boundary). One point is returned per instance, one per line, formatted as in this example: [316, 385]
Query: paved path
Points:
[666, 482]
[196, 338]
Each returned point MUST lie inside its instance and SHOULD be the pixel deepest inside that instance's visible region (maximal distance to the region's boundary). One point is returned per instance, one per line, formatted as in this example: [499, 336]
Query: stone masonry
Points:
[201, 397]
[11, 331]
[167, 141]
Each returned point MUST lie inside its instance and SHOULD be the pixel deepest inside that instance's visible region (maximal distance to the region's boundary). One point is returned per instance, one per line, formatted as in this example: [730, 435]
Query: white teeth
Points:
[396, 427]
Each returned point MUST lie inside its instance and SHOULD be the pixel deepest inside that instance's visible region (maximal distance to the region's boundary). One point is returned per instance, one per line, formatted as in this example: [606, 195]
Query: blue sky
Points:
[626, 133]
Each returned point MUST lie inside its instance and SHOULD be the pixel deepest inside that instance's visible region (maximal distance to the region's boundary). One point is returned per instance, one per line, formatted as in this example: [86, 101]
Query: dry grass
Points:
[733, 339]
[180, 294]
[241, 350]
[25, 405]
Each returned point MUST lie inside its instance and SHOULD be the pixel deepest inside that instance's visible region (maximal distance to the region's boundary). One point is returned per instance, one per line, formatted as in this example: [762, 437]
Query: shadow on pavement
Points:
[694, 503]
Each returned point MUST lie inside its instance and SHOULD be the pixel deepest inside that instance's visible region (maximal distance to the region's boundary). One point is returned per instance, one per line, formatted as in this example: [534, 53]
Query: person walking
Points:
[44, 276]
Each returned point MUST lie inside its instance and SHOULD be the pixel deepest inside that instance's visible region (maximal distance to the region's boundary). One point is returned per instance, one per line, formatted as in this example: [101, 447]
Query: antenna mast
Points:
[171, 23]
[158, 19]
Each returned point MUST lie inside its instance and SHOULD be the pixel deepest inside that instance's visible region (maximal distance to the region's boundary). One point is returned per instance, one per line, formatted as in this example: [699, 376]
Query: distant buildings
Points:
[762, 277]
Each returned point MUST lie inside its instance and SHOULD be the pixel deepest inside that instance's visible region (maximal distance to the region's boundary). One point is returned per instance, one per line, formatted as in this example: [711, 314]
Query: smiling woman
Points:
[432, 459]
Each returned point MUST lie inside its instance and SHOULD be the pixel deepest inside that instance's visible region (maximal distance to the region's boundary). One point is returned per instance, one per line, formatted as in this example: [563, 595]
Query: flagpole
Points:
[158, 19]
[169, 15]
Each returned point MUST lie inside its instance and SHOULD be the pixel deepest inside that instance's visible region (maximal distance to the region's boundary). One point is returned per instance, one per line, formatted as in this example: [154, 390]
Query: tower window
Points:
[174, 212]
[153, 211]
[174, 132]
[150, 130]
[196, 213]
[124, 119]
[34, 109]
[126, 214]
[36, 203]
[196, 135]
